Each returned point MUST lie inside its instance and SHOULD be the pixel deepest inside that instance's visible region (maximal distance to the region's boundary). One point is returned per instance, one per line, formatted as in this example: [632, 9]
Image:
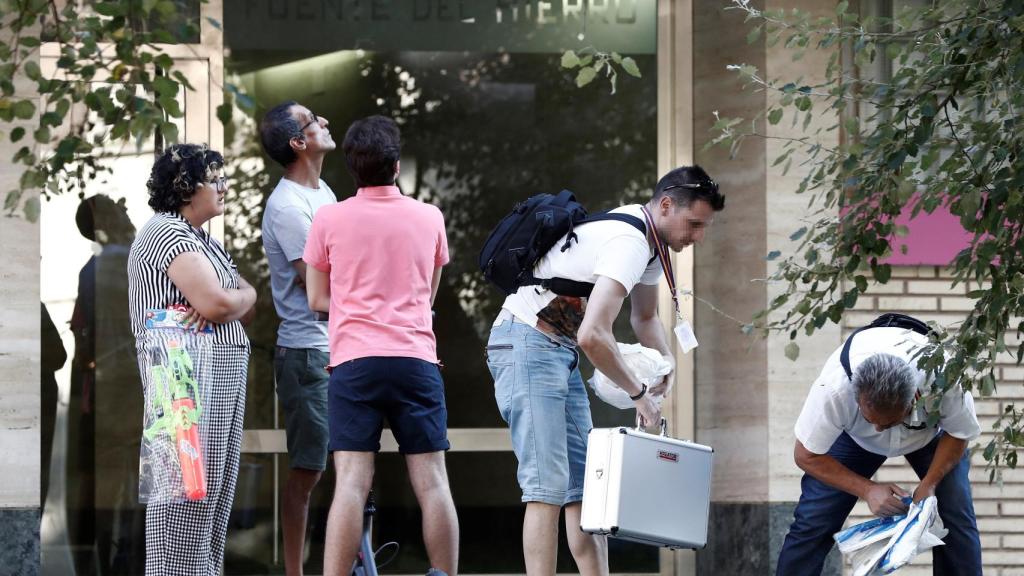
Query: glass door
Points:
[489, 117]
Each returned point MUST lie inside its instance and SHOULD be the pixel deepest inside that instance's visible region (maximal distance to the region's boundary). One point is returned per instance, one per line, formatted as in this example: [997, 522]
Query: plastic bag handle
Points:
[663, 424]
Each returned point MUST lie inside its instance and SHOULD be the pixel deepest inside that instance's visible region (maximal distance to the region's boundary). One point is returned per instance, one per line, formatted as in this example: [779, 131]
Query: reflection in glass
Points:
[481, 131]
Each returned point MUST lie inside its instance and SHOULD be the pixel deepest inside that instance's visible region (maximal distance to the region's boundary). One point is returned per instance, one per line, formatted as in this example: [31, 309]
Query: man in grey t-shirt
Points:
[298, 140]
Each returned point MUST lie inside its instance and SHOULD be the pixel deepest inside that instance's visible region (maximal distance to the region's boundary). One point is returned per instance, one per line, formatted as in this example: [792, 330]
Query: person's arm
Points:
[435, 281]
[883, 499]
[643, 317]
[300, 270]
[250, 314]
[318, 289]
[194, 276]
[597, 341]
[947, 454]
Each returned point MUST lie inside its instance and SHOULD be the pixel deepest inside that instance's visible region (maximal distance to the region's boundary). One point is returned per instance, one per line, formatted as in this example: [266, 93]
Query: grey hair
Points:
[885, 382]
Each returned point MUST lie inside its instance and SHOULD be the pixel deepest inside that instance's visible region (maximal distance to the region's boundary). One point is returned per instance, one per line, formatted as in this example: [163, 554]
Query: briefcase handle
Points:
[664, 425]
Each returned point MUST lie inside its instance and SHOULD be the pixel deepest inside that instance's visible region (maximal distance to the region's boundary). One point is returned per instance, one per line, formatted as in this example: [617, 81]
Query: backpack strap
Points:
[564, 287]
[888, 320]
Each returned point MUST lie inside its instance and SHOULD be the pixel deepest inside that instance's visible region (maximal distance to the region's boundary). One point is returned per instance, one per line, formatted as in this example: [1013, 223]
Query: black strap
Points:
[640, 394]
[575, 288]
[888, 320]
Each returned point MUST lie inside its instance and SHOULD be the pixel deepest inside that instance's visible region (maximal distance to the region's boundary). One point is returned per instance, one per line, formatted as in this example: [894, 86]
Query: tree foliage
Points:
[944, 129]
[114, 84]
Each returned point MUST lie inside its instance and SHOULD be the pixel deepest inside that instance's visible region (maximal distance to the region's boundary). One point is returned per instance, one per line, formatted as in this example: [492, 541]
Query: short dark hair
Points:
[101, 219]
[372, 147]
[688, 183]
[178, 172]
[277, 129]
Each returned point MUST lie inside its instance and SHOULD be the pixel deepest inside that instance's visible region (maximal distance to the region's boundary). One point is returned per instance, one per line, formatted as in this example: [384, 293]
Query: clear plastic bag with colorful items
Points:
[174, 361]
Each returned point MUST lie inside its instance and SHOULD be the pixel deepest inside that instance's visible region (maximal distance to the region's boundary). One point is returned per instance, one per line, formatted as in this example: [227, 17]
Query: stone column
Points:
[748, 394]
[19, 362]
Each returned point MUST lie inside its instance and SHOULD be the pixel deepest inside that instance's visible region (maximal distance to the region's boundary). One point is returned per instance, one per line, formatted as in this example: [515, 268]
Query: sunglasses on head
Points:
[709, 185]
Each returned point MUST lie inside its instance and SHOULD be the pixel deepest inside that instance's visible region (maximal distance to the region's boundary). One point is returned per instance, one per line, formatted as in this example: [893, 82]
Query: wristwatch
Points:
[640, 394]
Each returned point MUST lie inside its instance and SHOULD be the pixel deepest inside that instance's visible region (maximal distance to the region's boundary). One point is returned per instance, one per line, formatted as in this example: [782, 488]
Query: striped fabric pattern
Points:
[162, 238]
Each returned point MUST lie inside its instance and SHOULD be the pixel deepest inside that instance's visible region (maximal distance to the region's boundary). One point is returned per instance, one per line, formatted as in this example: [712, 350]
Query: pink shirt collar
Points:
[379, 191]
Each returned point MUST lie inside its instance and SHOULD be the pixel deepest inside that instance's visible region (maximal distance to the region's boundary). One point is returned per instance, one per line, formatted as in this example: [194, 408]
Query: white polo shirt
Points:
[831, 407]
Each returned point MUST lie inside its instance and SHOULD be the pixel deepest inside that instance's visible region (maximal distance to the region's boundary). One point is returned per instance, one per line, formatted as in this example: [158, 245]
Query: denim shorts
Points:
[541, 396]
[301, 378]
[408, 392]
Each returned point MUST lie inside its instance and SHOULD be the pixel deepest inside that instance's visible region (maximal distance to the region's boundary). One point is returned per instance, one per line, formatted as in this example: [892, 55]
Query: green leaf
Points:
[31, 209]
[165, 86]
[170, 105]
[774, 116]
[585, 76]
[586, 60]
[29, 41]
[24, 109]
[629, 65]
[164, 61]
[882, 273]
[861, 282]
[570, 59]
[798, 234]
[850, 298]
[773, 255]
[753, 35]
[213, 22]
[17, 134]
[792, 351]
[42, 135]
[170, 132]
[616, 57]
[109, 8]
[11, 199]
[32, 70]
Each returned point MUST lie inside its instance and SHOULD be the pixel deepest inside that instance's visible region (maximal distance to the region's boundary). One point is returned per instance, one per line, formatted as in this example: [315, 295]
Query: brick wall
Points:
[925, 292]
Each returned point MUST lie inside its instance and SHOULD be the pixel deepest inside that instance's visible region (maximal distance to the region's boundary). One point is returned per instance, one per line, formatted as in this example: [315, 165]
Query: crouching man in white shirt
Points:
[850, 426]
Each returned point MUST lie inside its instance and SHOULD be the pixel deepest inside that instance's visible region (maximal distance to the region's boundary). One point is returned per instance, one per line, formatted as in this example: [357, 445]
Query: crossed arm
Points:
[195, 277]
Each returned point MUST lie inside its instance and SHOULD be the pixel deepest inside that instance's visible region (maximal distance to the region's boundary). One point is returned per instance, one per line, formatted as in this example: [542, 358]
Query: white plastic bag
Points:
[884, 545]
[647, 365]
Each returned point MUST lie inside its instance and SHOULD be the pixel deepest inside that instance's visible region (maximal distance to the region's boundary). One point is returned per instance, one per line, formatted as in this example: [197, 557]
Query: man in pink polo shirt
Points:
[374, 263]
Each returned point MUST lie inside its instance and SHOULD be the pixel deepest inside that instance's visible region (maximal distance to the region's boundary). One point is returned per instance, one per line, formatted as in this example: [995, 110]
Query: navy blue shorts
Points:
[408, 392]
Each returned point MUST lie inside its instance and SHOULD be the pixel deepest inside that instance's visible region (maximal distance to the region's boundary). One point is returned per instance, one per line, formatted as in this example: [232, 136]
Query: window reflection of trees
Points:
[480, 132]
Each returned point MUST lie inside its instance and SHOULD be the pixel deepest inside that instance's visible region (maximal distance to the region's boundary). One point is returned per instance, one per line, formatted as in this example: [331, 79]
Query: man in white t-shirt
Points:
[532, 353]
[297, 139]
[849, 426]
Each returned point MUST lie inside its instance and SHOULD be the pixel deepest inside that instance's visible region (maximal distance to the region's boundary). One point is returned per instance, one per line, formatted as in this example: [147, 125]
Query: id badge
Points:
[684, 334]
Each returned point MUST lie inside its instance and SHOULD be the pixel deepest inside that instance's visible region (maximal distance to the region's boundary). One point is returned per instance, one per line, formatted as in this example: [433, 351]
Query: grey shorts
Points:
[301, 377]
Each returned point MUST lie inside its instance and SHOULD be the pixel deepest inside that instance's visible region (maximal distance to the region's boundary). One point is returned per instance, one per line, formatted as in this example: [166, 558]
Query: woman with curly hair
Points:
[173, 260]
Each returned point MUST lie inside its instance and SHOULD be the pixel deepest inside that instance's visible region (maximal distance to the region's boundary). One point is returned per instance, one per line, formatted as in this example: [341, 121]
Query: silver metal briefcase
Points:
[647, 488]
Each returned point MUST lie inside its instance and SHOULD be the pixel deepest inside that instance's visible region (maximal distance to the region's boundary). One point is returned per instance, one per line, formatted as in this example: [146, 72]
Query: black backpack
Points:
[889, 320]
[533, 227]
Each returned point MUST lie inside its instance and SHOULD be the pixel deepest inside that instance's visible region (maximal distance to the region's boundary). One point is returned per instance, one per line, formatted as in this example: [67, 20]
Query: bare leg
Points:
[354, 471]
[429, 480]
[540, 538]
[294, 510]
[589, 550]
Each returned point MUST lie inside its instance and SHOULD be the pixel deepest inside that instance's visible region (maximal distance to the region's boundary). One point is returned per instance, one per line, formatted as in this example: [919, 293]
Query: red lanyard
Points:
[666, 262]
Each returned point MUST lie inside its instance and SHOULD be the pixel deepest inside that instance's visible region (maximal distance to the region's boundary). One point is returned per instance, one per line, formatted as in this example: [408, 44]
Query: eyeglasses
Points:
[221, 184]
[315, 120]
[709, 184]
